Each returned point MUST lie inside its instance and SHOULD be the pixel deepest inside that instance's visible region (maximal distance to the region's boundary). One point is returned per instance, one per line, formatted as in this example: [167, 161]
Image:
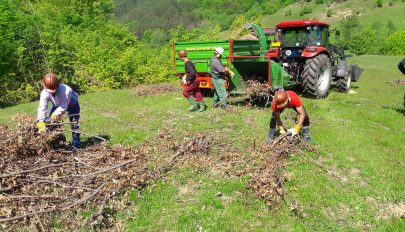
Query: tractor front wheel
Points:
[317, 76]
[343, 84]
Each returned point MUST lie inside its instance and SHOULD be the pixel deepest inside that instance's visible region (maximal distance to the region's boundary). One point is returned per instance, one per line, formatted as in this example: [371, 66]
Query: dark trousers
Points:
[193, 90]
[74, 116]
[273, 121]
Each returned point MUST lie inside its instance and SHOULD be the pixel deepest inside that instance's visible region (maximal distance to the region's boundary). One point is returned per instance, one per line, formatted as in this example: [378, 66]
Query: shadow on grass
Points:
[396, 109]
[4, 105]
[92, 141]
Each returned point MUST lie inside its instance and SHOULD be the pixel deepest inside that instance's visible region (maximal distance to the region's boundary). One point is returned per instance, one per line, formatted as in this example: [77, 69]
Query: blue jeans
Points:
[74, 111]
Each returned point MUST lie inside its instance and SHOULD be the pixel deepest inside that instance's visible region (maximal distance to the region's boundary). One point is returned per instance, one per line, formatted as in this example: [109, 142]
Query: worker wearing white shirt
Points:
[63, 99]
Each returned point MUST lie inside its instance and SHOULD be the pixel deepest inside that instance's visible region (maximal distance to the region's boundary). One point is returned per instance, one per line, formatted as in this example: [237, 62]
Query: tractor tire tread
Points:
[309, 76]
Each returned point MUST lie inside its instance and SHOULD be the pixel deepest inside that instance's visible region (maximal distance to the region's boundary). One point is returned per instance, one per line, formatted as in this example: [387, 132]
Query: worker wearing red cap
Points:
[192, 84]
[288, 99]
[63, 99]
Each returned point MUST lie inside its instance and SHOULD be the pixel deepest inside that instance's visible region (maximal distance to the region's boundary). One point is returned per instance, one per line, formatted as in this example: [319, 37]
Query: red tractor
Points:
[303, 49]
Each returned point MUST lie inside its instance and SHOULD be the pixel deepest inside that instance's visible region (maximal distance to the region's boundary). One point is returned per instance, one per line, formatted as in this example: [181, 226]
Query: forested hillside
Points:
[364, 26]
[77, 39]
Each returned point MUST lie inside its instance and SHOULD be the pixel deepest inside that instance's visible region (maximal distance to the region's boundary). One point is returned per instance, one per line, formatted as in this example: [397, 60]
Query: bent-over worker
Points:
[288, 99]
[63, 99]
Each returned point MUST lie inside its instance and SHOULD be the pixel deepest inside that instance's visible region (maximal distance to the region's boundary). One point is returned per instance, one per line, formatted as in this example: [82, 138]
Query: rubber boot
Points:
[193, 103]
[202, 106]
[305, 132]
[225, 105]
[270, 138]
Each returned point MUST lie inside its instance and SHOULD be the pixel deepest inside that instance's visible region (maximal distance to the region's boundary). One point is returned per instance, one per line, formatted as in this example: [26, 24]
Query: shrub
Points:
[329, 13]
[305, 10]
[364, 42]
[379, 3]
[395, 44]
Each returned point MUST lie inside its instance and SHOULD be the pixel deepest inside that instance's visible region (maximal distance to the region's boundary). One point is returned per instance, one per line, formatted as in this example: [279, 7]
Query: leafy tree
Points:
[395, 44]
[77, 39]
[364, 42]
[305, 10]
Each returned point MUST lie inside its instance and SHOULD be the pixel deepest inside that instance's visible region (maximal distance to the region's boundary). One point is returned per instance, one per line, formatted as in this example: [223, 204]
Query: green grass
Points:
[360, 135]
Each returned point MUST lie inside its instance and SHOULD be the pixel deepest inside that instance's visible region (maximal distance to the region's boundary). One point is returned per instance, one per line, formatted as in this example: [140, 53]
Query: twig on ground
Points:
[41, 226]
[47, 180]
[30, 170]
[101, 171]
[84, 199]
[85, 164]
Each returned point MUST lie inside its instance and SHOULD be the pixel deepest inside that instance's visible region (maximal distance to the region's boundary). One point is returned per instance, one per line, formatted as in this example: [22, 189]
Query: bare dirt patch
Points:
[392, 210]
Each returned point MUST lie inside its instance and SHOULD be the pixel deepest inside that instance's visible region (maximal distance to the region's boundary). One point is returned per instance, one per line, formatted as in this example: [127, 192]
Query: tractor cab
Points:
[315, 35]
[300, 38]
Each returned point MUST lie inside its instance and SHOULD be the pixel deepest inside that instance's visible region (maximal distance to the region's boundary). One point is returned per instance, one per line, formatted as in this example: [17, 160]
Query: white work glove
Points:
[184, 79]
[292, 131]
[295, 130]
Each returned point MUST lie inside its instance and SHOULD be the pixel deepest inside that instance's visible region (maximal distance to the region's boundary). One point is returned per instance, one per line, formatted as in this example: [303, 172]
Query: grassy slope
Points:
[368, 13]
[361, 134]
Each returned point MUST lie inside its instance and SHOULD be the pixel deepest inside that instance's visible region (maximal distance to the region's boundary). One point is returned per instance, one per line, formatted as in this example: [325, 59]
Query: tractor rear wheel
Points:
[343, 84]
[317, 76]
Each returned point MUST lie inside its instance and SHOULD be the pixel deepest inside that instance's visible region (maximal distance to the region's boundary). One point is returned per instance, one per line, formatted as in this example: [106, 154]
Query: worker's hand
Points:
[295, 130]
[292, 131]
[231, 74]
[184, 79]
[282, 130]
[41, 127]
[55, 118]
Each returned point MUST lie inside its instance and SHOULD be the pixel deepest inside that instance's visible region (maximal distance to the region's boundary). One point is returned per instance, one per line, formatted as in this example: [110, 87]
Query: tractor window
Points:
[316, 36]
[294, 37]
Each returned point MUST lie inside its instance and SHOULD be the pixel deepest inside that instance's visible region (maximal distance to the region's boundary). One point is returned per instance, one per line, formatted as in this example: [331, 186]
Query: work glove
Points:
[184, 79]
[282, 130]
[41, 127]
[55, 118]
[231, 74]
[295, 130]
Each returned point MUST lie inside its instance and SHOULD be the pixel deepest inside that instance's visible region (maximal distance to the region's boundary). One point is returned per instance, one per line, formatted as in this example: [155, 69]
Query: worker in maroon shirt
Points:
[191, 91]
[288, 99]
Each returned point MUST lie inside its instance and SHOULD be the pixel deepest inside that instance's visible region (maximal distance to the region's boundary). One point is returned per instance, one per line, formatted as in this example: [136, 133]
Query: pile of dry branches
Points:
[400, 82]
[257, 91]
[268, 180]
[144, 90]
[40, 176]
[37, 179]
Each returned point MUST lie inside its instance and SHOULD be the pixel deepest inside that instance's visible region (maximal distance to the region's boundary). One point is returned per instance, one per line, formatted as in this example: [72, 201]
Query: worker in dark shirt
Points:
[218, 71]
[191, 84]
